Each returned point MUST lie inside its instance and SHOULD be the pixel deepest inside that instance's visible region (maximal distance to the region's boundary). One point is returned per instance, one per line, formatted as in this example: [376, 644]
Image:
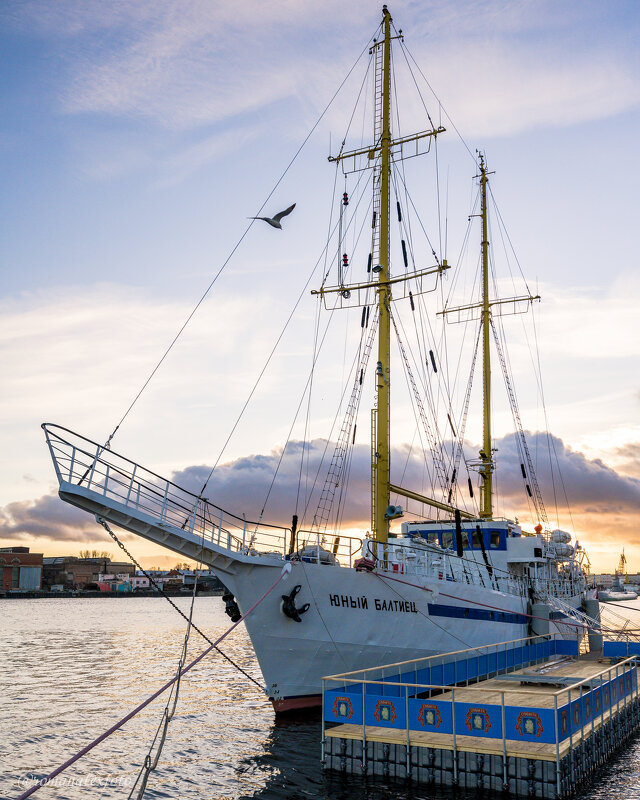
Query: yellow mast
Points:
[381, 465]
[486, 464]
[379, 155]
[486, 456]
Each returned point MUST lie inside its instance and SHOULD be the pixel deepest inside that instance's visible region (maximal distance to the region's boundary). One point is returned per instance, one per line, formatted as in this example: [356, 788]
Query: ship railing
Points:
[85, 468]
[321, 547]
[432, 561]
[559, 587]
[607, 623]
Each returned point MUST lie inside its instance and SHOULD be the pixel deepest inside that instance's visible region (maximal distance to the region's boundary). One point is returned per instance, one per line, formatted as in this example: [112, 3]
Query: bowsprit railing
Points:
[93, 476]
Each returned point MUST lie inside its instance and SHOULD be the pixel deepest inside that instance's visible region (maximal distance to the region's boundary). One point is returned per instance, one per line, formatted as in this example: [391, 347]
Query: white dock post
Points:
[406, 714]
[455, 744]
[582, 763]
[505, 777]
[624, 694]
[322, 761]
[363, 764]
[610, 714]
[555, 726]
[593, 723]
[570, 715]
[602, 715]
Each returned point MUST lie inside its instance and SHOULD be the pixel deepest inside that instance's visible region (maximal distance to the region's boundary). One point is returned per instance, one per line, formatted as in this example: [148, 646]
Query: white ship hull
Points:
[355, 619]
[361, 619]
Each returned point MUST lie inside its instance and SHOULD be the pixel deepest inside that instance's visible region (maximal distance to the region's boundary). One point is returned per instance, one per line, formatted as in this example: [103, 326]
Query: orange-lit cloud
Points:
[598, 503]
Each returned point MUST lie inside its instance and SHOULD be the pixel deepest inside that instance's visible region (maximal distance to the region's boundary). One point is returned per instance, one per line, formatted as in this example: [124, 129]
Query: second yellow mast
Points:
[486, 454]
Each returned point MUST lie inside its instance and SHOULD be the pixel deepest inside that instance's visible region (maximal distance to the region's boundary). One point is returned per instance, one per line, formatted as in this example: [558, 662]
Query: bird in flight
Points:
[275, 220]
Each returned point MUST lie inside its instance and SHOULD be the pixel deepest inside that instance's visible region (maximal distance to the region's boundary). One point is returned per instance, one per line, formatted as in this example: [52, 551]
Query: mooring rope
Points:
[43, 781]
[160, 589]
[576, 625]
[150, 763]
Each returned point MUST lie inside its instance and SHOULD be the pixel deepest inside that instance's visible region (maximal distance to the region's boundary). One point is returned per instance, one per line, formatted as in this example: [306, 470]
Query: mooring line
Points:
[43, 781]
[486, 605]
[159, 588]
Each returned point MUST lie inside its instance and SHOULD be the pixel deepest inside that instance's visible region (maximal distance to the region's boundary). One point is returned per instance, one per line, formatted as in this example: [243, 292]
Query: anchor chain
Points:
[151, 580]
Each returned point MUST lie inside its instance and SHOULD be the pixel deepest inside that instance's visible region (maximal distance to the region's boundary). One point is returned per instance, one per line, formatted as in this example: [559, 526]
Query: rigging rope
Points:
[459, 446]
[406, 52]
[436, 453]
[577, 625]
[285, 571]
[537, 495]
[235, 247]
[271, 354]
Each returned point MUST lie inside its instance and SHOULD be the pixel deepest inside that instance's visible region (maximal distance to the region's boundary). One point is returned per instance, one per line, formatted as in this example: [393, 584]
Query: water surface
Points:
[70, 668]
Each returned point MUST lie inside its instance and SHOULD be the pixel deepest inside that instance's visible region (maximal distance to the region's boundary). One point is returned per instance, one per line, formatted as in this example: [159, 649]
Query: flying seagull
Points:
[275, 220]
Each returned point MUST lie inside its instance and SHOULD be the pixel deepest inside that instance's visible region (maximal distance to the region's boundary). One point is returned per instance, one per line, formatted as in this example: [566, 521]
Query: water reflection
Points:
[70, 668]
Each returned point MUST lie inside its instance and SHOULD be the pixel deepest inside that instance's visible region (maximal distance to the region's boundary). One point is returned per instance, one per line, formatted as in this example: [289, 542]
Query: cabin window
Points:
[476, 540]
[432, 538]
[494, 541]
[465, 540]
[447, 539]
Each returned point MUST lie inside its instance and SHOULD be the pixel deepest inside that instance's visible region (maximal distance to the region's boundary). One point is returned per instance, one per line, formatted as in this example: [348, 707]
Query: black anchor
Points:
[289, 605]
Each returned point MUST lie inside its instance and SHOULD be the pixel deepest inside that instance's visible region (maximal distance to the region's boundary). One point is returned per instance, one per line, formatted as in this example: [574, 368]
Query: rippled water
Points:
[70, 668]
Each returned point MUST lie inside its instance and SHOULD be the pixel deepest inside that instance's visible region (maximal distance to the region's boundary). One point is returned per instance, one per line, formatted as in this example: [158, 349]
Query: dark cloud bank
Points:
[242, 485]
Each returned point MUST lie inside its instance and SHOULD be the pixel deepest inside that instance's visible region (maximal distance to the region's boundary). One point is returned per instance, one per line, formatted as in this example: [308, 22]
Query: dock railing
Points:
[419, 696]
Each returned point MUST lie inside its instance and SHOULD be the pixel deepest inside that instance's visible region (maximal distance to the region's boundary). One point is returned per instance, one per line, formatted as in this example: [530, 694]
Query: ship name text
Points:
[347, 601]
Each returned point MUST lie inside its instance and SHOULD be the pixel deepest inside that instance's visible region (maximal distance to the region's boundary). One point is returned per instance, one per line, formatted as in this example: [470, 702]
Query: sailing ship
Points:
[405, 589]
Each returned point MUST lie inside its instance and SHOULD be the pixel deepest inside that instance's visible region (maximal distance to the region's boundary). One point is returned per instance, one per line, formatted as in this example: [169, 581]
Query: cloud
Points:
[628, 458]
[79, 356]
[49, 518]
[597, 494]
[204, 62]
[589, 484]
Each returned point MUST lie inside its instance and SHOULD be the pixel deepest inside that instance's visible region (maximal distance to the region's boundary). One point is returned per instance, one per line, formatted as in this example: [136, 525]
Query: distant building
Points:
[207, 581]
[75, 573]
[604, 581]
[20, 568]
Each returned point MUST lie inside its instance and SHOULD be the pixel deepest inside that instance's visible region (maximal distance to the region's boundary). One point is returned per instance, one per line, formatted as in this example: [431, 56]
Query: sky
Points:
[136, 138]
